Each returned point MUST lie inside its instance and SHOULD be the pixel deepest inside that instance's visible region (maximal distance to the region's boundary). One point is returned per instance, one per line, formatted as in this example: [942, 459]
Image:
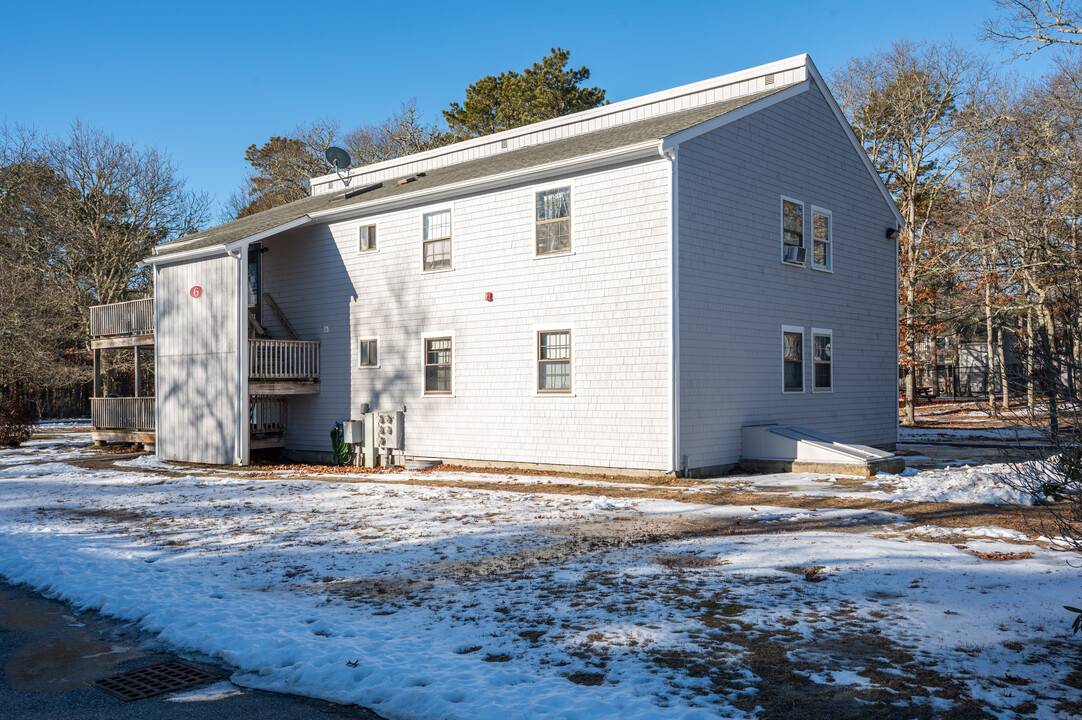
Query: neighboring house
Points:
[963, 368]
[621, 288]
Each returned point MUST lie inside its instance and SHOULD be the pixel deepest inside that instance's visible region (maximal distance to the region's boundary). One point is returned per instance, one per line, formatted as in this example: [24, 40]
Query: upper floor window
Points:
[552, 227]
[821, 230]
[792, 232]
[554, 361]
[366, 238]
[436, 240]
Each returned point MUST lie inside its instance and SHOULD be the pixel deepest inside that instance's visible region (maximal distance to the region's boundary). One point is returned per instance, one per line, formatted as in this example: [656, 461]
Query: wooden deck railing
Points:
[283, 360]
[268, 415]
[125, 318]
[125, 413]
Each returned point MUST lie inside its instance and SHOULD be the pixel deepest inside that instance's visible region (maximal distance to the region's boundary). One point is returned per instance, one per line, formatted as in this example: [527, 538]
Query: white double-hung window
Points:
[792, 232]
[552, 224]
[554, 361]
[436, 240]
[821, 239]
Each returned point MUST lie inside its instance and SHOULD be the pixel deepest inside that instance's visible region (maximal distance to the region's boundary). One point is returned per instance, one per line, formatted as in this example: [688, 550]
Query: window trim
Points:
[379, 350]
[781, 231]
[570, 361]
[823, 332]
[803, 365]
[570, 185]
[829, 267]
[437, 335]
[371, 224]
[428, 211]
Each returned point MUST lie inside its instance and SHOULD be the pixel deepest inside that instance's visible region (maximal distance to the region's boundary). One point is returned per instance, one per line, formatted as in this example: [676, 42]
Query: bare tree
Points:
[119, 201]
[76, 215]
[909, 106]
[282, 166]
[1033, 25]
[403, 133]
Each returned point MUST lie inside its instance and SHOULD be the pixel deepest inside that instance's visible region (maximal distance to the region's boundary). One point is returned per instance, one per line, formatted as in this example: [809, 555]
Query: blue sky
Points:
[204, 80]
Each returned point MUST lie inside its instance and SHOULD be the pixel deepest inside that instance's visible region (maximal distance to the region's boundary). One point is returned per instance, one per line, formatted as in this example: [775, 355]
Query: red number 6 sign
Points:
[196, 291]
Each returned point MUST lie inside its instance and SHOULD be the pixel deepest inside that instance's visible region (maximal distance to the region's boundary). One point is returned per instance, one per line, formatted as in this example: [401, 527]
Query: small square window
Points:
[436, 240]
[552, 226]
[438, 366]
[554, 361]
[366, 238]
[368, 353]
[793, 361]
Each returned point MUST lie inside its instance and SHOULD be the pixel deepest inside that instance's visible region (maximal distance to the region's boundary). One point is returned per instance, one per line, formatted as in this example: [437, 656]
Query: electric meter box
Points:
[353, 432]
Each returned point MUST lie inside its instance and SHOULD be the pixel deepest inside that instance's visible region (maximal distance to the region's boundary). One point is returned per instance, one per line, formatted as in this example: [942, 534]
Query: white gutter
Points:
[670, 154]
[186, 255]
[241, 430]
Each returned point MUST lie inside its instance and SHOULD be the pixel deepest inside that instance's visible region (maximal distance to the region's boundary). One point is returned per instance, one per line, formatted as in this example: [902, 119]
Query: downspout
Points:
[154, 271]
[676, 464]
[241, 433]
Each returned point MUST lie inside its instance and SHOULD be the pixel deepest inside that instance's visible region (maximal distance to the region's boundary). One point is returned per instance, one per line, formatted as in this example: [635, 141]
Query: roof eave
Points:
[222, 248]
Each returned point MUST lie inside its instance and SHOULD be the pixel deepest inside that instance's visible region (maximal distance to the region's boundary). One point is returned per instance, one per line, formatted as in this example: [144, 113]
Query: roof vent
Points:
[768, 80]
[361, 190]
[410, 178]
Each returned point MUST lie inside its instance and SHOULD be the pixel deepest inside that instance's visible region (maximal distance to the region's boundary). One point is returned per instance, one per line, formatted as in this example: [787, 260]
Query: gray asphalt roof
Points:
[580, 145]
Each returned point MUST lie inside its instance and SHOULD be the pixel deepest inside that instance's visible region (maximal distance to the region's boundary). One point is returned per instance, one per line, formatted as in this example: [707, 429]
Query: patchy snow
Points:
[63, 424]
[217, 691]
[984, 484]
[150, 462]
[907, 434]
[446, 602]
[983, 531]
[36, 449]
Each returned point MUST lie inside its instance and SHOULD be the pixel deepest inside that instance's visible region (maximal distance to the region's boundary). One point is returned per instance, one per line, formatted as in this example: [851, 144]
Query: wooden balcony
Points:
[267, 420]
[123, 419]
[283, 367]
[126, 324]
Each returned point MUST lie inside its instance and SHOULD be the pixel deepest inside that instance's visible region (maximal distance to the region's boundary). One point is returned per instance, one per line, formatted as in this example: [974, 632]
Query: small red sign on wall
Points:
[196, 291]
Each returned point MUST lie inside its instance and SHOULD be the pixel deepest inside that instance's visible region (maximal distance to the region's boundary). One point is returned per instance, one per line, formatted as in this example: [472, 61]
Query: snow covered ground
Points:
[906, 434]
[435, 601]
[965, 484]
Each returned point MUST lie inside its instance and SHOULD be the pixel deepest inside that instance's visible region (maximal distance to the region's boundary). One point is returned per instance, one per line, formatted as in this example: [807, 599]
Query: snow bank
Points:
[985, 484]
[146, 461]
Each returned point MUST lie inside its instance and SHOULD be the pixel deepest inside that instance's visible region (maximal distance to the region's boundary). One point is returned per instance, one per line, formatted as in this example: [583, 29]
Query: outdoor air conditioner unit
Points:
[794, 254]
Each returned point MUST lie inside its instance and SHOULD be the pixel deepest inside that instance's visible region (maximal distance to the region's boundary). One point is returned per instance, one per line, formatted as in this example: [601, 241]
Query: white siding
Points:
[735, 294]
[196, 361]
[612, 294]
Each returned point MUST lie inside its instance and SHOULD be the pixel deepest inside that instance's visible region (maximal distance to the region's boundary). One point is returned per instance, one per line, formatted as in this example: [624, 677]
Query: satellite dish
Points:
[338, 158]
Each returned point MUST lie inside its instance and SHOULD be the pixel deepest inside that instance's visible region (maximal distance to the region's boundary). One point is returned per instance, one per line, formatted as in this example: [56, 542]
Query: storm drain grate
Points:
[154, 680]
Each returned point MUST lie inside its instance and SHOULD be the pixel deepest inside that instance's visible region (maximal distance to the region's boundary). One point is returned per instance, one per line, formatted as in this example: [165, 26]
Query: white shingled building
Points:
[622, 288]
